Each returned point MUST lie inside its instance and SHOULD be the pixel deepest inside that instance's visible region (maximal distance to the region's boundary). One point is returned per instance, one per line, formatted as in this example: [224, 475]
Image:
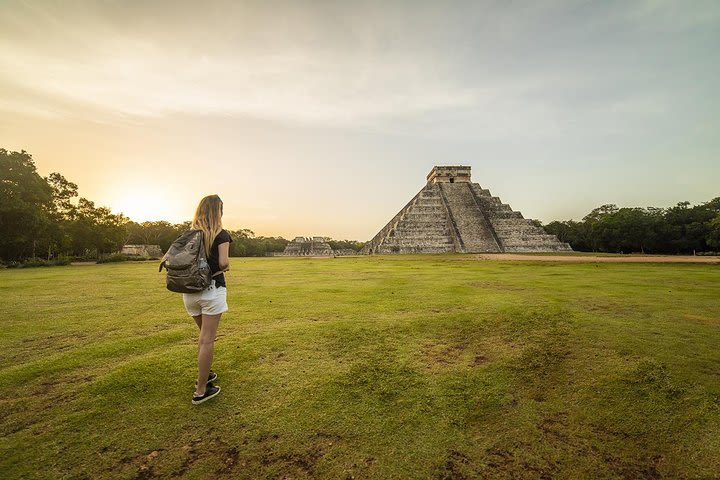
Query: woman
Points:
[206, 307]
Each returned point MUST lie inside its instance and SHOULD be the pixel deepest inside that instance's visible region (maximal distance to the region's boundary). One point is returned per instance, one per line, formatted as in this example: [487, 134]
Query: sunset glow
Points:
[145, 203]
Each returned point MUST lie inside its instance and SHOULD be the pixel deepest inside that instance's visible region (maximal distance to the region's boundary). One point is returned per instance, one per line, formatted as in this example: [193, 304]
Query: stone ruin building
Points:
[146, 251]
[452, 214]
[308, 247]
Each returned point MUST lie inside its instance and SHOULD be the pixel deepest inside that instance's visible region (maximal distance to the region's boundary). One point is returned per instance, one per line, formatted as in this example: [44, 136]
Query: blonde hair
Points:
[208, 218]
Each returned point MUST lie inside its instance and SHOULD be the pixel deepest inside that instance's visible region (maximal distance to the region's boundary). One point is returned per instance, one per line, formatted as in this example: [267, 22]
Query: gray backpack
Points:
[187, 268]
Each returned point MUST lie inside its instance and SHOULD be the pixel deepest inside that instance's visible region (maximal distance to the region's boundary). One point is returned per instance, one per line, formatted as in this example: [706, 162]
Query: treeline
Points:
[43, 218]
[244, 244]
[682, 229]
[39, 216]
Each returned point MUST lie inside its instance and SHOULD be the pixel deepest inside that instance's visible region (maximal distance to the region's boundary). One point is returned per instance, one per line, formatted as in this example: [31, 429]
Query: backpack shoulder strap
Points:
[163, 261]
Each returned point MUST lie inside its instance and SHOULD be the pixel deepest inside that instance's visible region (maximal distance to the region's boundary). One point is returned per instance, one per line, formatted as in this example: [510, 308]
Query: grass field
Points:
[367, 367]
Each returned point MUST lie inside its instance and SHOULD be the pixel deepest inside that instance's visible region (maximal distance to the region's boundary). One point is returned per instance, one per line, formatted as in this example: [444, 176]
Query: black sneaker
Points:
[211, 378]
[210, 392]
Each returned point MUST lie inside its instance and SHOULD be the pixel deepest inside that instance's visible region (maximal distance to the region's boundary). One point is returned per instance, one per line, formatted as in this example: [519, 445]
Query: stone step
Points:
[426, 205]
[419, 241]
[503, 232]
[503, 214]
[475, 232]
[423, 217]
[489, 200]
[431, 209]
[414, 249]
[511, 221]
[499, 207]
[430, 235]
[503, 235]
[409, 244]
[434, 208]
[524, 238]
[508, 230]
[557, 247]
[479, 191]
[423, 220]
[436, 237]
[429, 198]
[421, 229]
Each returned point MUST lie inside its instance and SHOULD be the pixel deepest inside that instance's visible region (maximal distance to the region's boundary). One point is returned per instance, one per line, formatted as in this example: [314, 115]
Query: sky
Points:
[324, 117]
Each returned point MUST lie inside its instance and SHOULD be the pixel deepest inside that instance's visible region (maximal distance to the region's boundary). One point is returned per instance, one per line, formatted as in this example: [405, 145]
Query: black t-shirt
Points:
[213, 259]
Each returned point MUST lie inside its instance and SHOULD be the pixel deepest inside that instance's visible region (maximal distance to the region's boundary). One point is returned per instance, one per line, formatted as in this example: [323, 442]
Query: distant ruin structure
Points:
[452, 214]
[145, 251]
[308, 247]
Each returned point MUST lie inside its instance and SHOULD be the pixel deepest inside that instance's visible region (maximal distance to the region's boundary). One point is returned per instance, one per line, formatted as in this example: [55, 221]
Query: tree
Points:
[626, 230]
[25, 203]
[96, 230]
[595, 228]
[713, 236]
[346, 245]
[61, 212]
[572, 232]
[246, 244]
[154, 233]
[690, 225]
[679, 229]
[63, 191]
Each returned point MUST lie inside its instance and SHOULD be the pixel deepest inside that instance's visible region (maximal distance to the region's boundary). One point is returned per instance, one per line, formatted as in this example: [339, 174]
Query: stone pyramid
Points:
[452, 214]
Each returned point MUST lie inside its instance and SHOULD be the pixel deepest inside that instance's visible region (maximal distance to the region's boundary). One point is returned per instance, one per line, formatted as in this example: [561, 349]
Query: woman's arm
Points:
[223, 256]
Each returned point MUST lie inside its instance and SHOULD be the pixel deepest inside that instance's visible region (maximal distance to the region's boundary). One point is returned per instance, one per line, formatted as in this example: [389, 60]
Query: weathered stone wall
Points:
[449, 174]
[307, 247]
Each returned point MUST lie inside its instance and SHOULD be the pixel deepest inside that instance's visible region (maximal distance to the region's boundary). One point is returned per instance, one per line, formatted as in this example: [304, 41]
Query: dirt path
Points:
[602, 258]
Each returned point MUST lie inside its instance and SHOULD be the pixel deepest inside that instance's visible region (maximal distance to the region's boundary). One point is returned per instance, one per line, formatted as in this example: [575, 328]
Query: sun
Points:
[147, 203]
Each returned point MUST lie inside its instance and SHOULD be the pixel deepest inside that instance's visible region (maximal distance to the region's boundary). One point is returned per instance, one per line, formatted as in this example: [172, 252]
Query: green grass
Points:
[366, 367]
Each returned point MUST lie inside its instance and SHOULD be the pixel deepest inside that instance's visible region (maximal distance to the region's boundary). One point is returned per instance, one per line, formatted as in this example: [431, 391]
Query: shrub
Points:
[119, 257]
[39, 262]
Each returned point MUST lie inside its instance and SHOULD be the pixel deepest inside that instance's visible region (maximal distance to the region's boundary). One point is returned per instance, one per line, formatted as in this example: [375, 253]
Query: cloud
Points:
[93, 65]
[494, 67]
[149, 82]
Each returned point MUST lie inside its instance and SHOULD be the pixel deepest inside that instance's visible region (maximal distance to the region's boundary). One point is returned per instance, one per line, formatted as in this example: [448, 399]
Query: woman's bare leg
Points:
[198, 320]
[206, 346]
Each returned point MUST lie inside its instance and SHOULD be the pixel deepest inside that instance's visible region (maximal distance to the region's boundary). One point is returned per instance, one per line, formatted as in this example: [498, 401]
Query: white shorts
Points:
[211, 301]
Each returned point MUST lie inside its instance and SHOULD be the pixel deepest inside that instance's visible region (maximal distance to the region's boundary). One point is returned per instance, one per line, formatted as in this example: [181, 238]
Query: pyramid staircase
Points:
[451, 214]
[423, 226]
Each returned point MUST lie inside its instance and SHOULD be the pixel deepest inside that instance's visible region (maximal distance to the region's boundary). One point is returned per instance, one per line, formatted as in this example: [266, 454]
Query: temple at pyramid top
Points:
[452, 214]
[449, 174]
